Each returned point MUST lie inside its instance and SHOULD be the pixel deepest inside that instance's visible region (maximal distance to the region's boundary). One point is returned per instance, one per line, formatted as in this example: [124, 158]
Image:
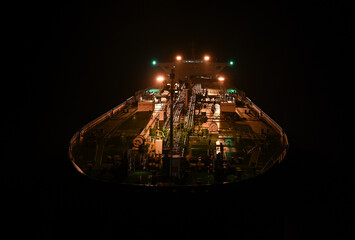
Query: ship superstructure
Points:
[193, 130]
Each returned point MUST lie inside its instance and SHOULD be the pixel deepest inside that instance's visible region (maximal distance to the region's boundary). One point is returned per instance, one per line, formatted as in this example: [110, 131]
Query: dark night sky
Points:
[75, 61]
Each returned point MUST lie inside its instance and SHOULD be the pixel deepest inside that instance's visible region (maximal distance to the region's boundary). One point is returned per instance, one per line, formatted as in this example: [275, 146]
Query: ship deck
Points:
[240, 145]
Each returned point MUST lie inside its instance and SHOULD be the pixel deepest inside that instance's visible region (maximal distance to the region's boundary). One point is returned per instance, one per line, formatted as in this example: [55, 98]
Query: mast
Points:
[172, 77]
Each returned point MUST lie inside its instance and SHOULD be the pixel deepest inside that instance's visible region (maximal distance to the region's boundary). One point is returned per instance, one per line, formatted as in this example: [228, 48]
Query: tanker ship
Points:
[195, 129]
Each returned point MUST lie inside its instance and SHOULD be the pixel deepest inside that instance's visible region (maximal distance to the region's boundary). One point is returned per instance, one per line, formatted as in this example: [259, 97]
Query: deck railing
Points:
[284, 140]
[94, 123]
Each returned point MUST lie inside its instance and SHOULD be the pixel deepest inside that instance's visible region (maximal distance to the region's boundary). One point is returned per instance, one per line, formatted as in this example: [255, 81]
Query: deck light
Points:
[160, 78]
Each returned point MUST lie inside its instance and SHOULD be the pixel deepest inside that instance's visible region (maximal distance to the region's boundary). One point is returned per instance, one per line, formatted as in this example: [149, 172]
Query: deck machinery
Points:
[195, 129]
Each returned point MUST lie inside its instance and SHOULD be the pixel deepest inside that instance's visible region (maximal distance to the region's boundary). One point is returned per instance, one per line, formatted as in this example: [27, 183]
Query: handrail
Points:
[94, 123]
[281, 131]
[269, 120]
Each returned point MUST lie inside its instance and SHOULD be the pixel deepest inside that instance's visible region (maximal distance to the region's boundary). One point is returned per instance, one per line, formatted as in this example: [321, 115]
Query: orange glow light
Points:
[160, 78]
[207, 58]
[178, 58]
[221, 79]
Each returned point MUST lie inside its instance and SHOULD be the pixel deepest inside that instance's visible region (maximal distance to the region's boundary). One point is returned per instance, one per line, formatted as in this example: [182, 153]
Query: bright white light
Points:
[160, 78]
[206, 58]
[178, 58]
[220, 79]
